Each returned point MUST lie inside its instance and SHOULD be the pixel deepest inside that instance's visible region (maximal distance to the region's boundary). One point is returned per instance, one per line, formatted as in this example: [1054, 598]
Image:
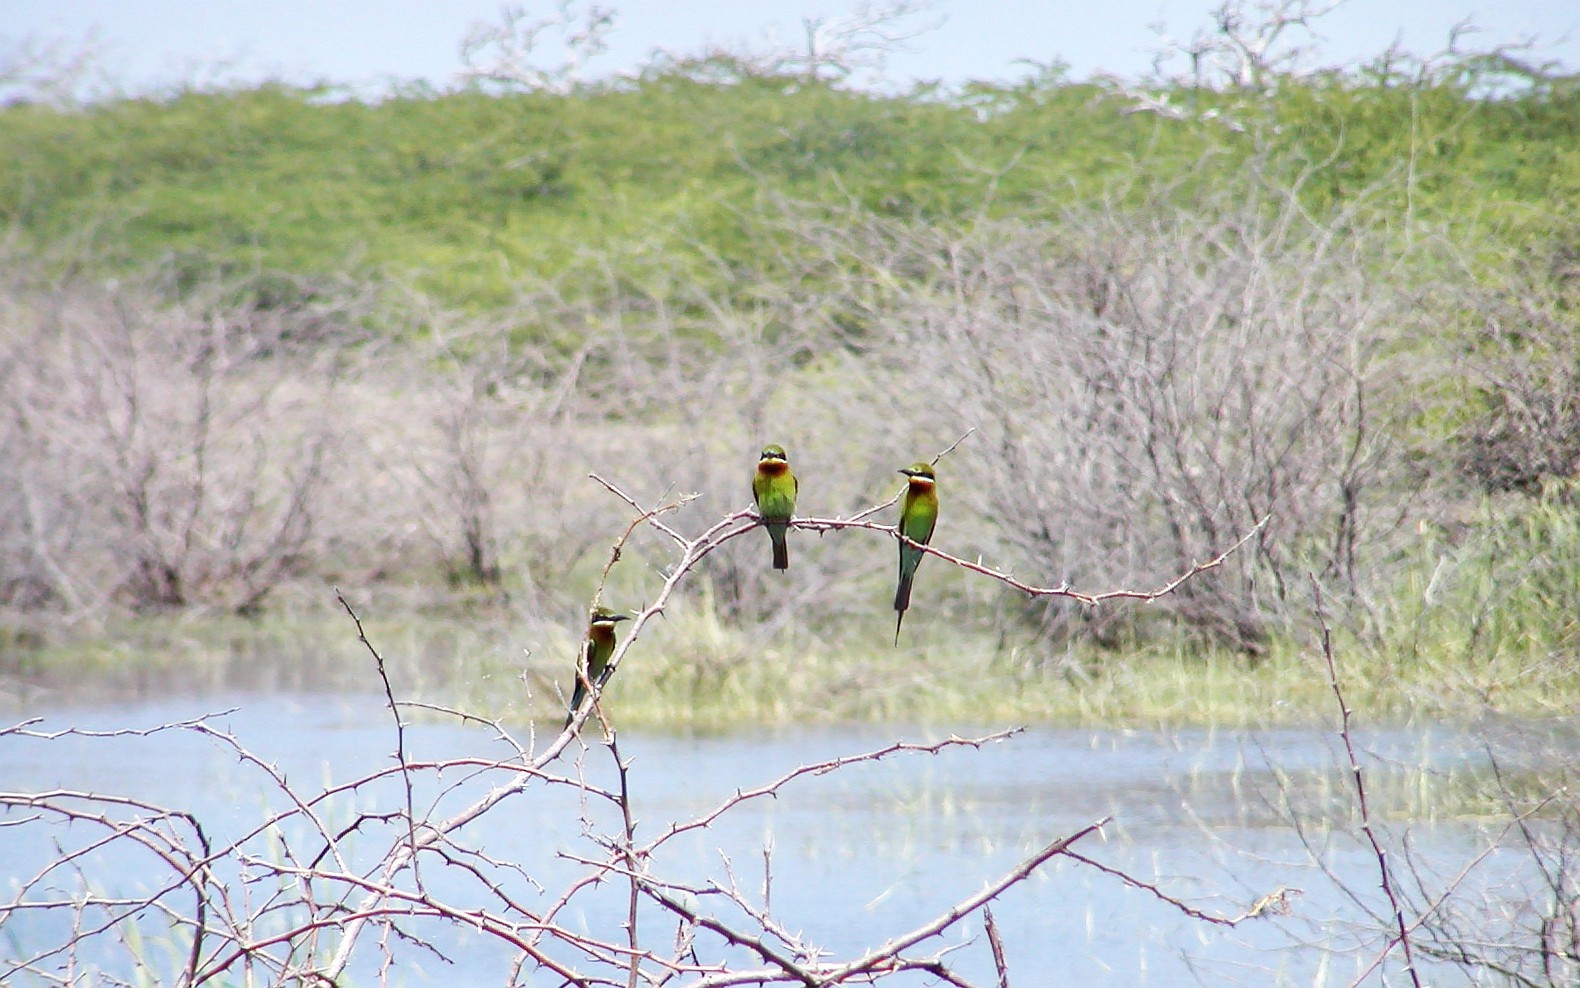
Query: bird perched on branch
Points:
[918, 515]
[595, 655]
[774, 489]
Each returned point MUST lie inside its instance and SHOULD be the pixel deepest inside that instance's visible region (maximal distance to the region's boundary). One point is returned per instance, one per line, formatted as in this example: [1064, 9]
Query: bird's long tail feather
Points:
[902, 601]
[577, 696]
[776, 532]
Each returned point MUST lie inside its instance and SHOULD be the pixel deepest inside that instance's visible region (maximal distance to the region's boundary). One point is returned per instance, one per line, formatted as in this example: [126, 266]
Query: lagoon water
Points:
[856, 856]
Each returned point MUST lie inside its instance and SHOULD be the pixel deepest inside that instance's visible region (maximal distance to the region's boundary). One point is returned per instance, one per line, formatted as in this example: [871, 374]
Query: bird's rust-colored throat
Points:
[772, 468]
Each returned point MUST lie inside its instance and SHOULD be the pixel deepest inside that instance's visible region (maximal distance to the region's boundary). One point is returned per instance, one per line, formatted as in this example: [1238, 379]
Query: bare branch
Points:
[1062, 590]
[400, 732]
[1358, 779]
[509, 52]
[1274, 903]
[997, 944]
[877, 958]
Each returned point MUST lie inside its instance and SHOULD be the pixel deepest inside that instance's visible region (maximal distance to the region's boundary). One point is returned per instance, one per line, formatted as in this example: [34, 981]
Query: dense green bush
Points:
[472, 194]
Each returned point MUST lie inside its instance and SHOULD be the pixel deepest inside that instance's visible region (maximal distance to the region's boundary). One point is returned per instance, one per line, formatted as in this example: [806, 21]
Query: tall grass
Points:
[1491, 609]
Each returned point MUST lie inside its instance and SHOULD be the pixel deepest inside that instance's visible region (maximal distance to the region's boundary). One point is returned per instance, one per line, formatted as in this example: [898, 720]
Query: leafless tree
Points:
[166, 457]
[50, 71]
[1248, 46]
[854, 46]
[511, 51]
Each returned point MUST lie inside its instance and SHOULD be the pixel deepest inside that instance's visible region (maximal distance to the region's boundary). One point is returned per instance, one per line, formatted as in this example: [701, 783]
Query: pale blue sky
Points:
[143, 43]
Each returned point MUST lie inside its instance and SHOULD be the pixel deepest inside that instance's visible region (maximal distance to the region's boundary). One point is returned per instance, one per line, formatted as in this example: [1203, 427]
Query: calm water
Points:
[858, 855]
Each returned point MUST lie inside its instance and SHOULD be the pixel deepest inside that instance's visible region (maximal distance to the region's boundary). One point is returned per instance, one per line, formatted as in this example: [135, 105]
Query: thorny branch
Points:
[821, 768]
[1358, 779]
[1061, 590]
[400, 732]
[1000, 966]
[1276, 902]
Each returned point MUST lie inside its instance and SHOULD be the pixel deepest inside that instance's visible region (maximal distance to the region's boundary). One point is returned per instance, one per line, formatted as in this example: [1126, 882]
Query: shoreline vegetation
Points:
[257, 343]
[693, 674]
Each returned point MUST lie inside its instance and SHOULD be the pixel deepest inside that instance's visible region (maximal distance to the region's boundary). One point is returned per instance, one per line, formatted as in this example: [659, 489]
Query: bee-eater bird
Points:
[774, 489]
[918, 515]
[595, 655]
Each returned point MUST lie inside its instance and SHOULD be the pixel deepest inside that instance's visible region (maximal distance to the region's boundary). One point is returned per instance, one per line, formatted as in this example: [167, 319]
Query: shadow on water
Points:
[1217, 820]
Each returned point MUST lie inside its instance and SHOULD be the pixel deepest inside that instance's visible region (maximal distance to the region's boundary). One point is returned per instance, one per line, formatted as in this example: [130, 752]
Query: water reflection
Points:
[851, 858]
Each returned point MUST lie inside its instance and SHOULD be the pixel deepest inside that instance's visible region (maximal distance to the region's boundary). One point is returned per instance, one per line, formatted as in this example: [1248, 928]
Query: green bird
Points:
[595, 653]
[774, 489]
[918, 515]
